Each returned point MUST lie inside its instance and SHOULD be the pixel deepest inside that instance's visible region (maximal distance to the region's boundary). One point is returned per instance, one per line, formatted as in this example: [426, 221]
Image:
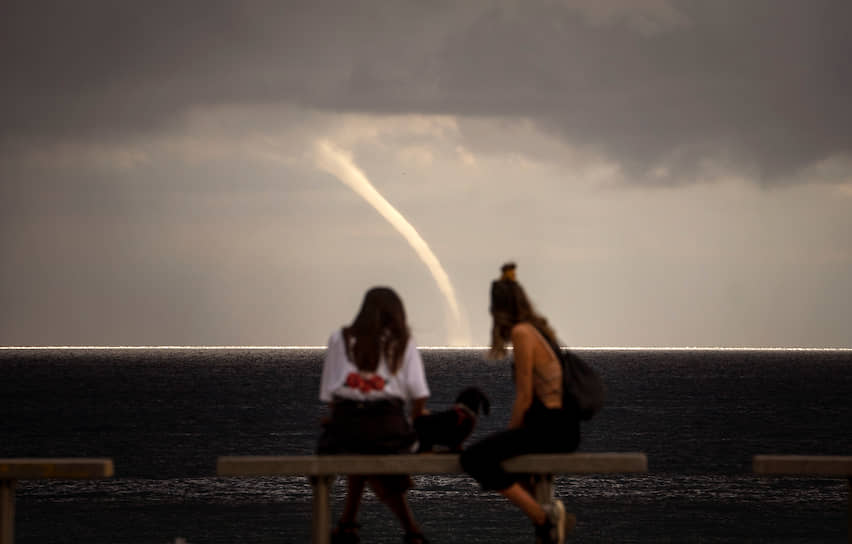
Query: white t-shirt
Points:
[408, 383]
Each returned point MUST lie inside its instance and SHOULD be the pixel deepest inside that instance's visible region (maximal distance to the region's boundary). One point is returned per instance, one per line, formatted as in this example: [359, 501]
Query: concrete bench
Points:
[839, 466]
[322, 469]
[12, 470]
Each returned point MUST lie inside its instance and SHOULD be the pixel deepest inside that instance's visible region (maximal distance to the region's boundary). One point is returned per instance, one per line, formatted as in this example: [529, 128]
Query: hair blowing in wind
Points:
[339, 163]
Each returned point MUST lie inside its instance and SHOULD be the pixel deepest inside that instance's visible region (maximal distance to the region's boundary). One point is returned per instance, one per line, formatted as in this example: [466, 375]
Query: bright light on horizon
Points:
[431, 348]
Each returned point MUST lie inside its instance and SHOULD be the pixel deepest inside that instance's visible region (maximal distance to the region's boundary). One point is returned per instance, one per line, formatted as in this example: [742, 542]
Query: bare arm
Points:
[523, 349]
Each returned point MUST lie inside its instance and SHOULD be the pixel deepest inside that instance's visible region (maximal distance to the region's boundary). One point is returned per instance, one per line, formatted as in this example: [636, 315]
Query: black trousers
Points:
[543, 431]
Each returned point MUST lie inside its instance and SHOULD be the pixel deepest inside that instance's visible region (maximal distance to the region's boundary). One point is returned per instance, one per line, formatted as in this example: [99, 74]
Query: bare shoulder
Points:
[523, 332]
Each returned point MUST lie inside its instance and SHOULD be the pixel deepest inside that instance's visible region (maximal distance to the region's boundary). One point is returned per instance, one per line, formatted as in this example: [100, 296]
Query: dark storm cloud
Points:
[760, 86]
[763, 85]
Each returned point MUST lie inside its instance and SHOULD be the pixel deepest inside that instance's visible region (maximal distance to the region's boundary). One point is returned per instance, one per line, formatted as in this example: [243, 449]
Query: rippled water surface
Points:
[165, 415]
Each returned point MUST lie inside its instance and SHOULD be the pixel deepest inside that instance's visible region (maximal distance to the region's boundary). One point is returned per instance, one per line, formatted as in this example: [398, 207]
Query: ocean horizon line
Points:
[431, 348]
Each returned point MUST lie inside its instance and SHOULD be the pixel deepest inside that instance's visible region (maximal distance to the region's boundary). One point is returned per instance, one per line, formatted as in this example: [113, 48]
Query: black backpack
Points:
[581, 384]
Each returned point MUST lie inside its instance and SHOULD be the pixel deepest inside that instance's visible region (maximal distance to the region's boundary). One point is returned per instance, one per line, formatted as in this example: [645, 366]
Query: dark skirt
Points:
[377, 427]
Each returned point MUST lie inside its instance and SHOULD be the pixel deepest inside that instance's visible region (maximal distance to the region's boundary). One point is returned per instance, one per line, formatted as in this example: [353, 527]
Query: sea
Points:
[165, 415]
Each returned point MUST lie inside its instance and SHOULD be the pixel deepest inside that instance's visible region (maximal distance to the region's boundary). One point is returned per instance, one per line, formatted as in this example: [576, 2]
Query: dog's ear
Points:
[469, 396]
[460, 397]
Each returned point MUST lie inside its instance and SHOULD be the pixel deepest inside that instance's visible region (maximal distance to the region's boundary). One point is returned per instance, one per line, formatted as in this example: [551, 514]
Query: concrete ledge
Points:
[321, 465]
[63, 469]
[837, 466]
[804, 465]
[14, 469]
[323, 468]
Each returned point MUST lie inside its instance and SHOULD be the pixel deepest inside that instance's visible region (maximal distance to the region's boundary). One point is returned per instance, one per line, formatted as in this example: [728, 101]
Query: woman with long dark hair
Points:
[539, 422]
[372, 370]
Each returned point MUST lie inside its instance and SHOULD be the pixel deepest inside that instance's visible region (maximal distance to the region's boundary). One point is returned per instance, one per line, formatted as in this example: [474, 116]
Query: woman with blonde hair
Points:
[539, 422]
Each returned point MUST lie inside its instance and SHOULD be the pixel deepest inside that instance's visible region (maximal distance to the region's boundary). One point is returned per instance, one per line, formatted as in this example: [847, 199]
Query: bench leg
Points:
[542, 488]
[321, 525]
[7, 511]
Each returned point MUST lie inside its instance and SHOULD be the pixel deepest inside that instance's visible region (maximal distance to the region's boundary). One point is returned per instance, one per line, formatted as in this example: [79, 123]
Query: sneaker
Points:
[558, 523]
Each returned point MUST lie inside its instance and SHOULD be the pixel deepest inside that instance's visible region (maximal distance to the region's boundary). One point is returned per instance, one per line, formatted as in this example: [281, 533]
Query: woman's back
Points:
[342, 378]
[546, 368]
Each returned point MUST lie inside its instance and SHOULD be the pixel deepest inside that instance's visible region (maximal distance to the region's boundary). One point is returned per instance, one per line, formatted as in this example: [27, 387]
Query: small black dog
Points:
[450, 428]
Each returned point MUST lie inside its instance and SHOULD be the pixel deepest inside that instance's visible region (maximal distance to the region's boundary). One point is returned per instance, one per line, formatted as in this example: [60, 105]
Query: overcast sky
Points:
[664, 172]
